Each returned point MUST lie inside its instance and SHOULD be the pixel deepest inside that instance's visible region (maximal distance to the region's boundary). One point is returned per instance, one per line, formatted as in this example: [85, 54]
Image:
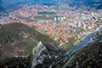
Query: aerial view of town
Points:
[66, 25]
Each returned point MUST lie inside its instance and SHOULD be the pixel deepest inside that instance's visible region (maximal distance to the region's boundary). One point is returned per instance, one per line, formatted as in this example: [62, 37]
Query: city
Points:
[68, 33]
[59, 22]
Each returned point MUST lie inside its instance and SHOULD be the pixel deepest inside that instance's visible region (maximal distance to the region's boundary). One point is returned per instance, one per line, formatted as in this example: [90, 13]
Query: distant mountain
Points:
[2, 8]
[72, 3]
[83, 0]
[11, 3]
[78, 3]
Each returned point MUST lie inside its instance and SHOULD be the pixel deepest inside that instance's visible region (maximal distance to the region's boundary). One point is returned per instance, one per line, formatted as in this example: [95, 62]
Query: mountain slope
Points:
[17, 39]
[26, 45]
[88, 57]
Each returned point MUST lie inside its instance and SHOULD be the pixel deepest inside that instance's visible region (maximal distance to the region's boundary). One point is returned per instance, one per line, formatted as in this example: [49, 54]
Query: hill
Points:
[88, 57]
[24, 47]
[17, 39]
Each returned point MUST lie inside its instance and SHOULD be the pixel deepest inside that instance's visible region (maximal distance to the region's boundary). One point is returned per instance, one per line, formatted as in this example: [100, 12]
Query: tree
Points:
[50, 36]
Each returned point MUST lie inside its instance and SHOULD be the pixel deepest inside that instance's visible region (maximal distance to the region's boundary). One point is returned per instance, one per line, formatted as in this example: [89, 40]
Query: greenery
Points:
[70, 44]
[44, 17]
[20, 35]
[88, 56]
[45, 39]
[46, 13]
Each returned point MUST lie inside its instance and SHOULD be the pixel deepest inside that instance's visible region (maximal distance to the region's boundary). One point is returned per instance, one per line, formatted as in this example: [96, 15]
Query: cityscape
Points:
[59, 22]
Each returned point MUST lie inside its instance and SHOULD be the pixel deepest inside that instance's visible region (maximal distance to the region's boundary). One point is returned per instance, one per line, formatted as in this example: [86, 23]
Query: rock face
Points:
[40, 58]
[39, 54]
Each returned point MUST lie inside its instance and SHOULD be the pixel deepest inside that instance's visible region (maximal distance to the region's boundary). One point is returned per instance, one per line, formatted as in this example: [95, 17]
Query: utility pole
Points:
[77, 64]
